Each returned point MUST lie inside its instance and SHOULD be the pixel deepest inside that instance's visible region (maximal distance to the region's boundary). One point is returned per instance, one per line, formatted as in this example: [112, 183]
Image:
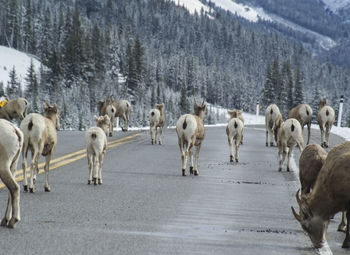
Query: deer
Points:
[40, 137]
[325, 119]
[11, 142]
[190, 131]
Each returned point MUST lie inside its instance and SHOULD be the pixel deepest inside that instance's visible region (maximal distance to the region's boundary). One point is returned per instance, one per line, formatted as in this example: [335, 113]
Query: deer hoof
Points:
[25, 188]
[99, 181]
[272, 144]
[196, 172]
[191, 169]
[236, 159]
[183, 172]
[95, 181]
[231, 158]
[346, 244]
[89, 182]
[12, 223]
[4, 222]
[287, 169]
[280, 169]
[342, 228]
[47, 189]
[32, 190]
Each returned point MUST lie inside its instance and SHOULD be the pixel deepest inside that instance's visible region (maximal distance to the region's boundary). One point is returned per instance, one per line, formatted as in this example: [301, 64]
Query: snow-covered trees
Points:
[154, 52]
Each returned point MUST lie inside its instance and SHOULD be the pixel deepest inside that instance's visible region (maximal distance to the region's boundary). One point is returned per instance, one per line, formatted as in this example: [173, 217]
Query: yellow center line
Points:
[70, 157]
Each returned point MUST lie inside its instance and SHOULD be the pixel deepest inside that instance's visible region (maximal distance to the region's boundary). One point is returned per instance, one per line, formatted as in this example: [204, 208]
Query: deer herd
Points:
[324, 177]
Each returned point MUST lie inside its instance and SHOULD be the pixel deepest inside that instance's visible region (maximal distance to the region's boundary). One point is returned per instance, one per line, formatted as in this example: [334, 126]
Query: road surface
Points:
[145, 205]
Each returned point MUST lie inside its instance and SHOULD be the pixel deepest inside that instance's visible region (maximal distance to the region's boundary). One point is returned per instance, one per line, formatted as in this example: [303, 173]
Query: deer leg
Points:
[24, 166]
[111, 123]
[13, 199]
[47, 169]
[191, 161]
[152, 135]
[289, 156]
[308, 132]
[91, 165]
[346, 243]
[237, 143]
[327, 135]
[267, 138]
[160, 135]
[100, 168]
[271, 137]
[230, 144]
[183, 157]
[282, 155]
[95, 169]
[33, 166]
[342, 225]
[198, 148]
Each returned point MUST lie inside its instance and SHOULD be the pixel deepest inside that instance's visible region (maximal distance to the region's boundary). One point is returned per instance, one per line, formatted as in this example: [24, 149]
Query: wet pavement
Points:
[145, 206]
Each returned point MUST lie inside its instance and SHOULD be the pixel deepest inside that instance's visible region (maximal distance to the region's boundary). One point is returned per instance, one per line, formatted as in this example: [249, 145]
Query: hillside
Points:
[21, 61]
[166, 53]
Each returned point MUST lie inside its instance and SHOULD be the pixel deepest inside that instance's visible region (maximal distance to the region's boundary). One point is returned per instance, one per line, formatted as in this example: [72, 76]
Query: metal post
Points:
[340, 112]
[257, 109]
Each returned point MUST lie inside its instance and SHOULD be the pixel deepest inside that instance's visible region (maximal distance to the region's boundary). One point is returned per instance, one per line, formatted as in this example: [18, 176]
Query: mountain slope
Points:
[11, 58]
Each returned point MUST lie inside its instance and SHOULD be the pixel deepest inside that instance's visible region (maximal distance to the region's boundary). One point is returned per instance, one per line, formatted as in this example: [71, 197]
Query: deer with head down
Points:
[40, 137]
[122, 110]
[14, 108]
[330, 195]
[325, 119]
[190, 131]
[311, 161]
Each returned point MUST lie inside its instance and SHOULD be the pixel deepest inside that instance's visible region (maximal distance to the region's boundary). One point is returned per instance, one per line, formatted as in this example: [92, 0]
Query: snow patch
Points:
[192, 5]
[21, 61]
[242, 10]
[335, 5]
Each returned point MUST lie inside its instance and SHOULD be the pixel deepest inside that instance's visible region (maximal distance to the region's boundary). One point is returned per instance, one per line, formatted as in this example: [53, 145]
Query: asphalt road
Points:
[145, 206]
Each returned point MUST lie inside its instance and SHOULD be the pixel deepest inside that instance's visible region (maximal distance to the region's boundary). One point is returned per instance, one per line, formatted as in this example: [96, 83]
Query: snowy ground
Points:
[252, 119]
[254, 14]
[21, 61]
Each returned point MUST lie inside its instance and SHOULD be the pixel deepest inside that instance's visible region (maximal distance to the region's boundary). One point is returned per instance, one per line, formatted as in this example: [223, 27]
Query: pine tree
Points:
[13, 86]
[268, 93]
[13, 31]
[298, 92]
[29, 39]
[290, 87]
[153, 95]
[184, 104]
[96, 48]
[159, 94]
[2, 90]
[314, 103]
[32, 90]
[132, 78]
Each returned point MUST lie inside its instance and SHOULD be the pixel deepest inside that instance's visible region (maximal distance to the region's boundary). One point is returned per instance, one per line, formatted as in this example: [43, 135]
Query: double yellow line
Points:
[70, 158]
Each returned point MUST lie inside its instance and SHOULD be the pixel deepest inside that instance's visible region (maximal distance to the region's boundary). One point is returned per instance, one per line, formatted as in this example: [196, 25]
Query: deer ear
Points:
[45, 106]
